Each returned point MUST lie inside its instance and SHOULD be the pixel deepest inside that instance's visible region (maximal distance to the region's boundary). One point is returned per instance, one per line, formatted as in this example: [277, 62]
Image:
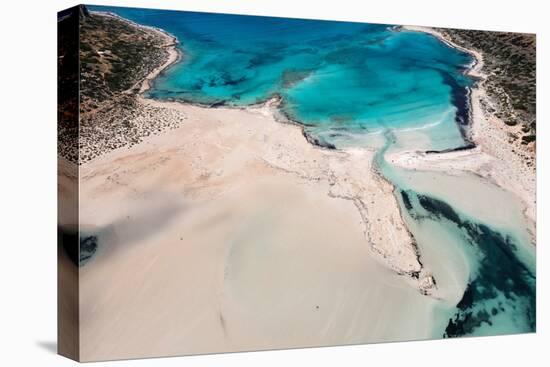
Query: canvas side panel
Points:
[68, 183]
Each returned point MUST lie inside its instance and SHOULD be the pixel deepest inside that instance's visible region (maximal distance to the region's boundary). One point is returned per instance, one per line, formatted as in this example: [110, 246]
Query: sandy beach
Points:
[245, 206]
[348, 176]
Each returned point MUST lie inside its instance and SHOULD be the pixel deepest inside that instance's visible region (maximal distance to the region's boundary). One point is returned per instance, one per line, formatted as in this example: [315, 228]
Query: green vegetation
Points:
[113, 59]
[510, 62]
[114, 56]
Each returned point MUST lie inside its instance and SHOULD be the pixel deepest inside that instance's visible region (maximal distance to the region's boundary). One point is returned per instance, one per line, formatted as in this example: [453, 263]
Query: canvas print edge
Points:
[403, 260]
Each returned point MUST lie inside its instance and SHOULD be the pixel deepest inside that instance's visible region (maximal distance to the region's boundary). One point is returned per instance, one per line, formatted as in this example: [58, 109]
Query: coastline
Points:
[484, 131]
[494, 157]
[400, 253]
[114, 118]
[174, 54]
[474, 70]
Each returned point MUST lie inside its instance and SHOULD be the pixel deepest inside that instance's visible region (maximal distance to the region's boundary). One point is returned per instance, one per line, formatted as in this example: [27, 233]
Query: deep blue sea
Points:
[346, 82]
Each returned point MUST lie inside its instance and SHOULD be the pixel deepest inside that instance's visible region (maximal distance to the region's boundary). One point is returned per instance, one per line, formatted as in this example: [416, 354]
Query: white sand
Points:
[472, 182]
[227, 233]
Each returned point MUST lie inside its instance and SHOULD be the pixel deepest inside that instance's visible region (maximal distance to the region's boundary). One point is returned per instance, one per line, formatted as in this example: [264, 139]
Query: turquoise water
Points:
[348, 83]
[339, 78]
[500, 297]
